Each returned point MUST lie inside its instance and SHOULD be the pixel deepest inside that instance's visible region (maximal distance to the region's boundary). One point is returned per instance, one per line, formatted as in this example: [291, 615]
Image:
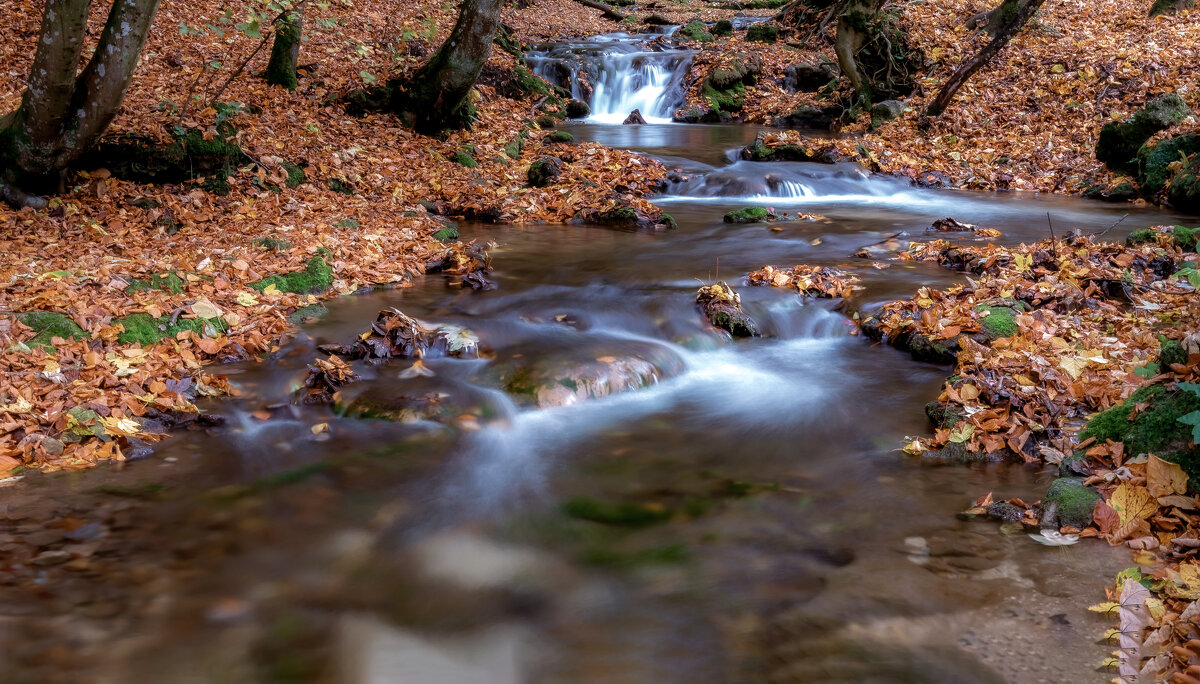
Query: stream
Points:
[652, 502]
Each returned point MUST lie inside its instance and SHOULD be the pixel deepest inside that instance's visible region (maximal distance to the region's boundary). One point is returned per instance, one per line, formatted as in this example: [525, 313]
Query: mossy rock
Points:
[316, 277]
[1171, 352]
[530, 82]
[560, 137]
[142, 329]
[748, 215]
[578, 110]
[546, 122]
[295, 175]
[48, 325]
[1068, 502]
[944, 414]
[167, 282]
[1119, 142]
[447, 233]
[762, 33]
[273, 244]
[1153, 161]
[1184, 193]
[724, 27]
[341, 187]
[925, 348]
[308, 313]
[1122, 192]
[188, 157]
[999, 321]
[668, 221]
[544, 171]
[697, 30]
[657, 20]
[1156, 429]
[731, 99]
[463, 157]
[1141, 236]
[622, 514]
[1185, 238]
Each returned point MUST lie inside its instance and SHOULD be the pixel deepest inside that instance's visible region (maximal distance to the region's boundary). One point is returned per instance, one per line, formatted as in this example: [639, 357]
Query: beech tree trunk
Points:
[853, 27]
[285, 51]
[63, 113]
[1018, 19]
[436, 98]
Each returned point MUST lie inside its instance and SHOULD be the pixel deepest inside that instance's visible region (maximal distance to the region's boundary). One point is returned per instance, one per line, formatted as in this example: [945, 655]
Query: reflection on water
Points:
[698, 509]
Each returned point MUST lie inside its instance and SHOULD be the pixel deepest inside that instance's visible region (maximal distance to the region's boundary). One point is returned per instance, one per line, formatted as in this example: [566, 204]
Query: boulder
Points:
[762, 33]
[697, 30]
[883, 112]
[759, 151]
[578, 110]
[724, 27]
[1122, 192]
[1154, 161]
[1068, 503]
[1119, 142]
[808, 78]
[635, 117]
[1184, 193]
[723, 308]
[812, 118]
[544, 171]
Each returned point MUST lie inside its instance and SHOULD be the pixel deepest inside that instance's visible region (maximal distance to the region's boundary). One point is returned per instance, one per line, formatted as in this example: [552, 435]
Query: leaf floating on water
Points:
[416, 370]
[1054, 538]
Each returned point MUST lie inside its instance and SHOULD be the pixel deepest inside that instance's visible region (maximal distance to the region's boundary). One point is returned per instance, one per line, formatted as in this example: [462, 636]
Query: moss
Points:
[341, 187]
[447, 234]
[1072, 501]
[317, 276]
[723, 27]
[168, 282]
[1171, 352]
[142, 329]
[697, 30]
[762, 33]
[620, 514]
[925, 348]
[943, 414]
[1154, 161]
[307, 313]
[578, 110]
[669, 221]
[544, 172]
[530, 83]
[1156, 429]
[546, 122]
[620, 215]
[1141, 237]
[1184, 238]
[748, 215]
[48, 325]
[513, 149]
[1119, 142]
[463, 157]
[295, 175]
[351, 223]
[999, 322]
[560, 137]
[730, 100]
[281, 69]
[272, 244]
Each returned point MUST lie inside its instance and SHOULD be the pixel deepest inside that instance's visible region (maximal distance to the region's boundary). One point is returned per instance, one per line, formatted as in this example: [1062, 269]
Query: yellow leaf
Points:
[270, 289]
[1164, 478]
[1023, 262]
[119, 427]
[205, 309]
[961, 432]
[1106, 608]
[968, 392]
[246, 299]
[1073, 365]
[21, 405]
[1186, 582]
[1132, 503]
[914, 448]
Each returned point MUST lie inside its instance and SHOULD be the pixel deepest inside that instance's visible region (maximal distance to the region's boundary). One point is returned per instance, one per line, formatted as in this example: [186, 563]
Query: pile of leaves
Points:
[811, 281]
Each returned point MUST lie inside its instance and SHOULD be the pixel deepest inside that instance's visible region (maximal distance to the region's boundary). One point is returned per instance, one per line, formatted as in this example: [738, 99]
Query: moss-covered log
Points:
[285, 51]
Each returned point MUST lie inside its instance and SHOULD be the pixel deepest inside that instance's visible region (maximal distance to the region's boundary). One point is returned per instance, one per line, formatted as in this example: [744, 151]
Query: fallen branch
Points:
[969, 67]
[609, 12]
[19, 198]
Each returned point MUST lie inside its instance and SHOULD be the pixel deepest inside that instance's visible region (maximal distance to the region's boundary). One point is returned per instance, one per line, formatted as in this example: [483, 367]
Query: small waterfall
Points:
[618, 73]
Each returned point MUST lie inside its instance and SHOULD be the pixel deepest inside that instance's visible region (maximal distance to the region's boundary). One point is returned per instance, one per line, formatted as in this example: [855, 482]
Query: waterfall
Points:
[618, 73]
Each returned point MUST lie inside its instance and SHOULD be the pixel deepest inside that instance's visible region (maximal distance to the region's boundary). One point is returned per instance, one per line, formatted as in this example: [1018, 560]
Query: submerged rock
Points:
[591, 370]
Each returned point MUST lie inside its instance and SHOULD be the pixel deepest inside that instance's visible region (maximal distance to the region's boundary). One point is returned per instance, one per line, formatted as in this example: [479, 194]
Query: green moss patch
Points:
[464, 157]
[998, 322]
[308, 313]
[748, 215]
[47, 326]
[167, 282]
[144, 330]
[1156, 429]
[1072, 501]
[316, 277]
[560, 137]
[273, 244]
[762, 33]
[295, 175]
[621, 514]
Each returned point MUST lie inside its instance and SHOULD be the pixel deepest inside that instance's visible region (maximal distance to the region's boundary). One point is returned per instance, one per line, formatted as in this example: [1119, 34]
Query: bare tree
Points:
[63, 112]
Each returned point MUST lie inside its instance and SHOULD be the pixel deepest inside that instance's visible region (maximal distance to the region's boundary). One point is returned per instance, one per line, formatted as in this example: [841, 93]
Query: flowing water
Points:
[745, 516]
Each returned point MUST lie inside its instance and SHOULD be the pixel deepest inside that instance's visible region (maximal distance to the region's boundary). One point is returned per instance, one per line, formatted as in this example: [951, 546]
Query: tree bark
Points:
[852, 30]
[969, 67]
[285, 51]
[436, 97]
[63, 114]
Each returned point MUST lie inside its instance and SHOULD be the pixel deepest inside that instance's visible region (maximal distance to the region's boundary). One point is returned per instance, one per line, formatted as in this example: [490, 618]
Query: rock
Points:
[725, 88]
[589, 370]
[759, 151]
[635, 117]
[1068, 503]
[689, 115]
[748, 215]
[578, 110]
[1122, 192]
[724, 27]
[544, 171]
[696, 30]
[657, 20]
[396, 335]
[1184, 193]
[1119, 142]
[762, 33]
[813, 118]
[1170, 6]
[924, 348]
[723, 308]
[48, 558]
[560, 137]
[1004, 512]
[546, 121]
[943, 414]
[808, 78]
[420, 398]
[1154, 161]
[883, 112]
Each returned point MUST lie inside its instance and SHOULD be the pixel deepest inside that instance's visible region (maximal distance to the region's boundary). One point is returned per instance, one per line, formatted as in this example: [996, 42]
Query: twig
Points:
[1051, 226]
[1114, 225]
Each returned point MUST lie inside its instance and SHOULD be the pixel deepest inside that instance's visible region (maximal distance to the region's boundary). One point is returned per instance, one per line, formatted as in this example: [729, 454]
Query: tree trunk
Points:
[969, 67]
[436, 98]
[853, 25]
[63, 114]
[609, 12]
[285, 51]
